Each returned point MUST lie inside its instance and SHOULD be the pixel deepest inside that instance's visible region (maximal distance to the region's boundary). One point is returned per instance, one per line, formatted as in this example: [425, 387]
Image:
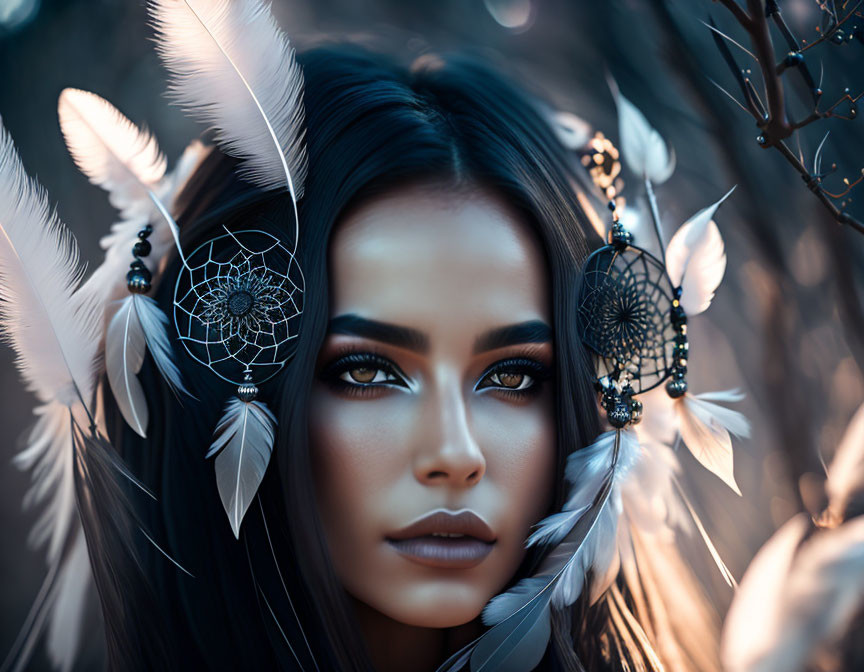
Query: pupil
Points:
[240, 303]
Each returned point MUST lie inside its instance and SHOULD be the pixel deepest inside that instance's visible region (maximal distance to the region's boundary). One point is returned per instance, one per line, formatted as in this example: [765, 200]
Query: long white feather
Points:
[243, 444]
[55, 338]
[696, 259]
[234, 69]
[796, 598]
[705, 429]
[111, 151]
[568, 563]
[642, 147]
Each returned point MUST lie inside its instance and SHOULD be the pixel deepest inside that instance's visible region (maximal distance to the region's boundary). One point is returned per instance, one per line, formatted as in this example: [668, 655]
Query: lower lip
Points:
[445, 552]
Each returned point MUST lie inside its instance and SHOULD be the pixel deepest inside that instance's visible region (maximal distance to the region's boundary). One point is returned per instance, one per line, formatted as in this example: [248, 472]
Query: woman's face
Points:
[432, 413]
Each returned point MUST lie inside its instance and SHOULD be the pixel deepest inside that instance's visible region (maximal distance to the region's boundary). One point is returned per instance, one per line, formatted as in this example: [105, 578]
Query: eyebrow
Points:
[531, 331]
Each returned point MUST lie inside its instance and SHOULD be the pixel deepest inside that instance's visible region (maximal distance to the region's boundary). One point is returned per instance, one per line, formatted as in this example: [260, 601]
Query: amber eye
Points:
[362, 375]
[512, 380]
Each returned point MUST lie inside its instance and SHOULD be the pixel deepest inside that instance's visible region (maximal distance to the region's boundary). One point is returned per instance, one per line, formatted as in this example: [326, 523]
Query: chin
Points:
[438, 604]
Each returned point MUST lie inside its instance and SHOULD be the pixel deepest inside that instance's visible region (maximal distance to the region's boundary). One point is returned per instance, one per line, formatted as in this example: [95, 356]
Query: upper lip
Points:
[442, 521]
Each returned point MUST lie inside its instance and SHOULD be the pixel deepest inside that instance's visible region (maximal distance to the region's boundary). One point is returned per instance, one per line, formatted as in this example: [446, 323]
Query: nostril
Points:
[474, 475]
[437, 474]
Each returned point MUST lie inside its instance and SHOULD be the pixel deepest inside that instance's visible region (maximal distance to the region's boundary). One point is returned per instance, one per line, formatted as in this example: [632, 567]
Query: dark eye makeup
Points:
[366, 373]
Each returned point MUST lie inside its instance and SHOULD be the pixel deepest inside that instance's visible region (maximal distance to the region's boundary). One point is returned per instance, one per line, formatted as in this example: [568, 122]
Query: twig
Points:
[770, 115]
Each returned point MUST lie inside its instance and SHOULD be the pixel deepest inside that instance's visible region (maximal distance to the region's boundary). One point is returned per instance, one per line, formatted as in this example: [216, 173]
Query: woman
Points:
[436, 387]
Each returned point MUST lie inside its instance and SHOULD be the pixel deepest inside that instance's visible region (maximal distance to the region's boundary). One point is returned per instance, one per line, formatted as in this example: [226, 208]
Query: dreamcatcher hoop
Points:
[237, 304]
[625, 316]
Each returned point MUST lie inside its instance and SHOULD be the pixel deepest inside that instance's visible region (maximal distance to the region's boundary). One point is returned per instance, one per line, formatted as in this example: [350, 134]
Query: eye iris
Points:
[363, 375]
[511, 379]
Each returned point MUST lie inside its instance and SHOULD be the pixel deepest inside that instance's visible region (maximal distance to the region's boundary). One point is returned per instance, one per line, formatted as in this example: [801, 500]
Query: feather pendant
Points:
[696, 259]
[243, 444]
[642, 147]
[234, 69]
[705, 428]
[139, 324]
[111, 151]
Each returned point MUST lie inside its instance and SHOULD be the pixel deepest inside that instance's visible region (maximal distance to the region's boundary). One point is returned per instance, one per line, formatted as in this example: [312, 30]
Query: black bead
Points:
[142, 248]
[681, 340]
[620, 237]
[137, 265]
[676, 387]
[635, 411]
[138, 281]
[145, 232]
[678, 316]
[611, 205]
[620, 414]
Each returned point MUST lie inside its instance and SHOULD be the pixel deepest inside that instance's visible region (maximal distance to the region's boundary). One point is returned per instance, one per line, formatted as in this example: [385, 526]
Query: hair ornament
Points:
[633, 311]
[125, 161]
[238, 298]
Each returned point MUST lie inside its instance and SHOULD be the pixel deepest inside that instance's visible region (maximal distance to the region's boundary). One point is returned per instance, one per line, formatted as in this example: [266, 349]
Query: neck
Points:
[395, 646]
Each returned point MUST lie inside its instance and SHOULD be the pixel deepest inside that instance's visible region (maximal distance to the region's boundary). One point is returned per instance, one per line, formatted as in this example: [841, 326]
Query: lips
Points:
[445, 539]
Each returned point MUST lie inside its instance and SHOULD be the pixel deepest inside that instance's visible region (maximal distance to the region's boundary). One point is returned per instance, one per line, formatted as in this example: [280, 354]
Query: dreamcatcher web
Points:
[624, 316]
[237, 304]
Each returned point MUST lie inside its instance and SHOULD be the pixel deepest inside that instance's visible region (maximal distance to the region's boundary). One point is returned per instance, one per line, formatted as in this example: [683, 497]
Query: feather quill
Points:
[234, 69]
[242, 446]
[705, 428]
[696, 259]
[642, 147]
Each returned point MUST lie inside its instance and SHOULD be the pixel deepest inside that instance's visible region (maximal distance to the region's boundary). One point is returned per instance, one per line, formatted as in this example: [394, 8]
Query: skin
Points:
[442, 422]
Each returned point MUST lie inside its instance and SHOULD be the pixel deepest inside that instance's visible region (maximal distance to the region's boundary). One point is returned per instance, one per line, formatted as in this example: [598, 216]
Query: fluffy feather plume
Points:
[696, 259]
[642, 147]
[56, 338]
[111, 151]
[798, 596]
[243, 444]
[705, 428]
[139, 324]
[234, 69]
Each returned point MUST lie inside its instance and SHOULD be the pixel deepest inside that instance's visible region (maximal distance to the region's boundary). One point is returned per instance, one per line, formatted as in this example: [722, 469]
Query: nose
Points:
[448, 453]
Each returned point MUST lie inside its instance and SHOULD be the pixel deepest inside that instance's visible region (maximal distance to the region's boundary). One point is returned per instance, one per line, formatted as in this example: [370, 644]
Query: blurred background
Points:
[787, 325]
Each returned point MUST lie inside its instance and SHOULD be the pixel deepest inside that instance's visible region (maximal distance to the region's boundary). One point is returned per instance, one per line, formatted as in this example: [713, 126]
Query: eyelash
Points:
[350, 359]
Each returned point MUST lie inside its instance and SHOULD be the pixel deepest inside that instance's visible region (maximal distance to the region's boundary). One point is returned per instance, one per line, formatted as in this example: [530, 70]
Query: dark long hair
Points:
[372, 124]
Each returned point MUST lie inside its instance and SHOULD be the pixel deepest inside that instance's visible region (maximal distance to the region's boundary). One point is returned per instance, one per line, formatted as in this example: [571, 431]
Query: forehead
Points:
[433, 259]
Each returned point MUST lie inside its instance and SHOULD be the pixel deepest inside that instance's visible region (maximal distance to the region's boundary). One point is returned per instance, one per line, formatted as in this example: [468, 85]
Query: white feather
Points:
[111, 151]
[138, 325]
[242, 446]
[234, 69]
[568, 563]
[705, 429]
[55, 338]
[107, 283]
[642, 147]
[846, 473]
[797, 597]
[67, 618]
[696, 259]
